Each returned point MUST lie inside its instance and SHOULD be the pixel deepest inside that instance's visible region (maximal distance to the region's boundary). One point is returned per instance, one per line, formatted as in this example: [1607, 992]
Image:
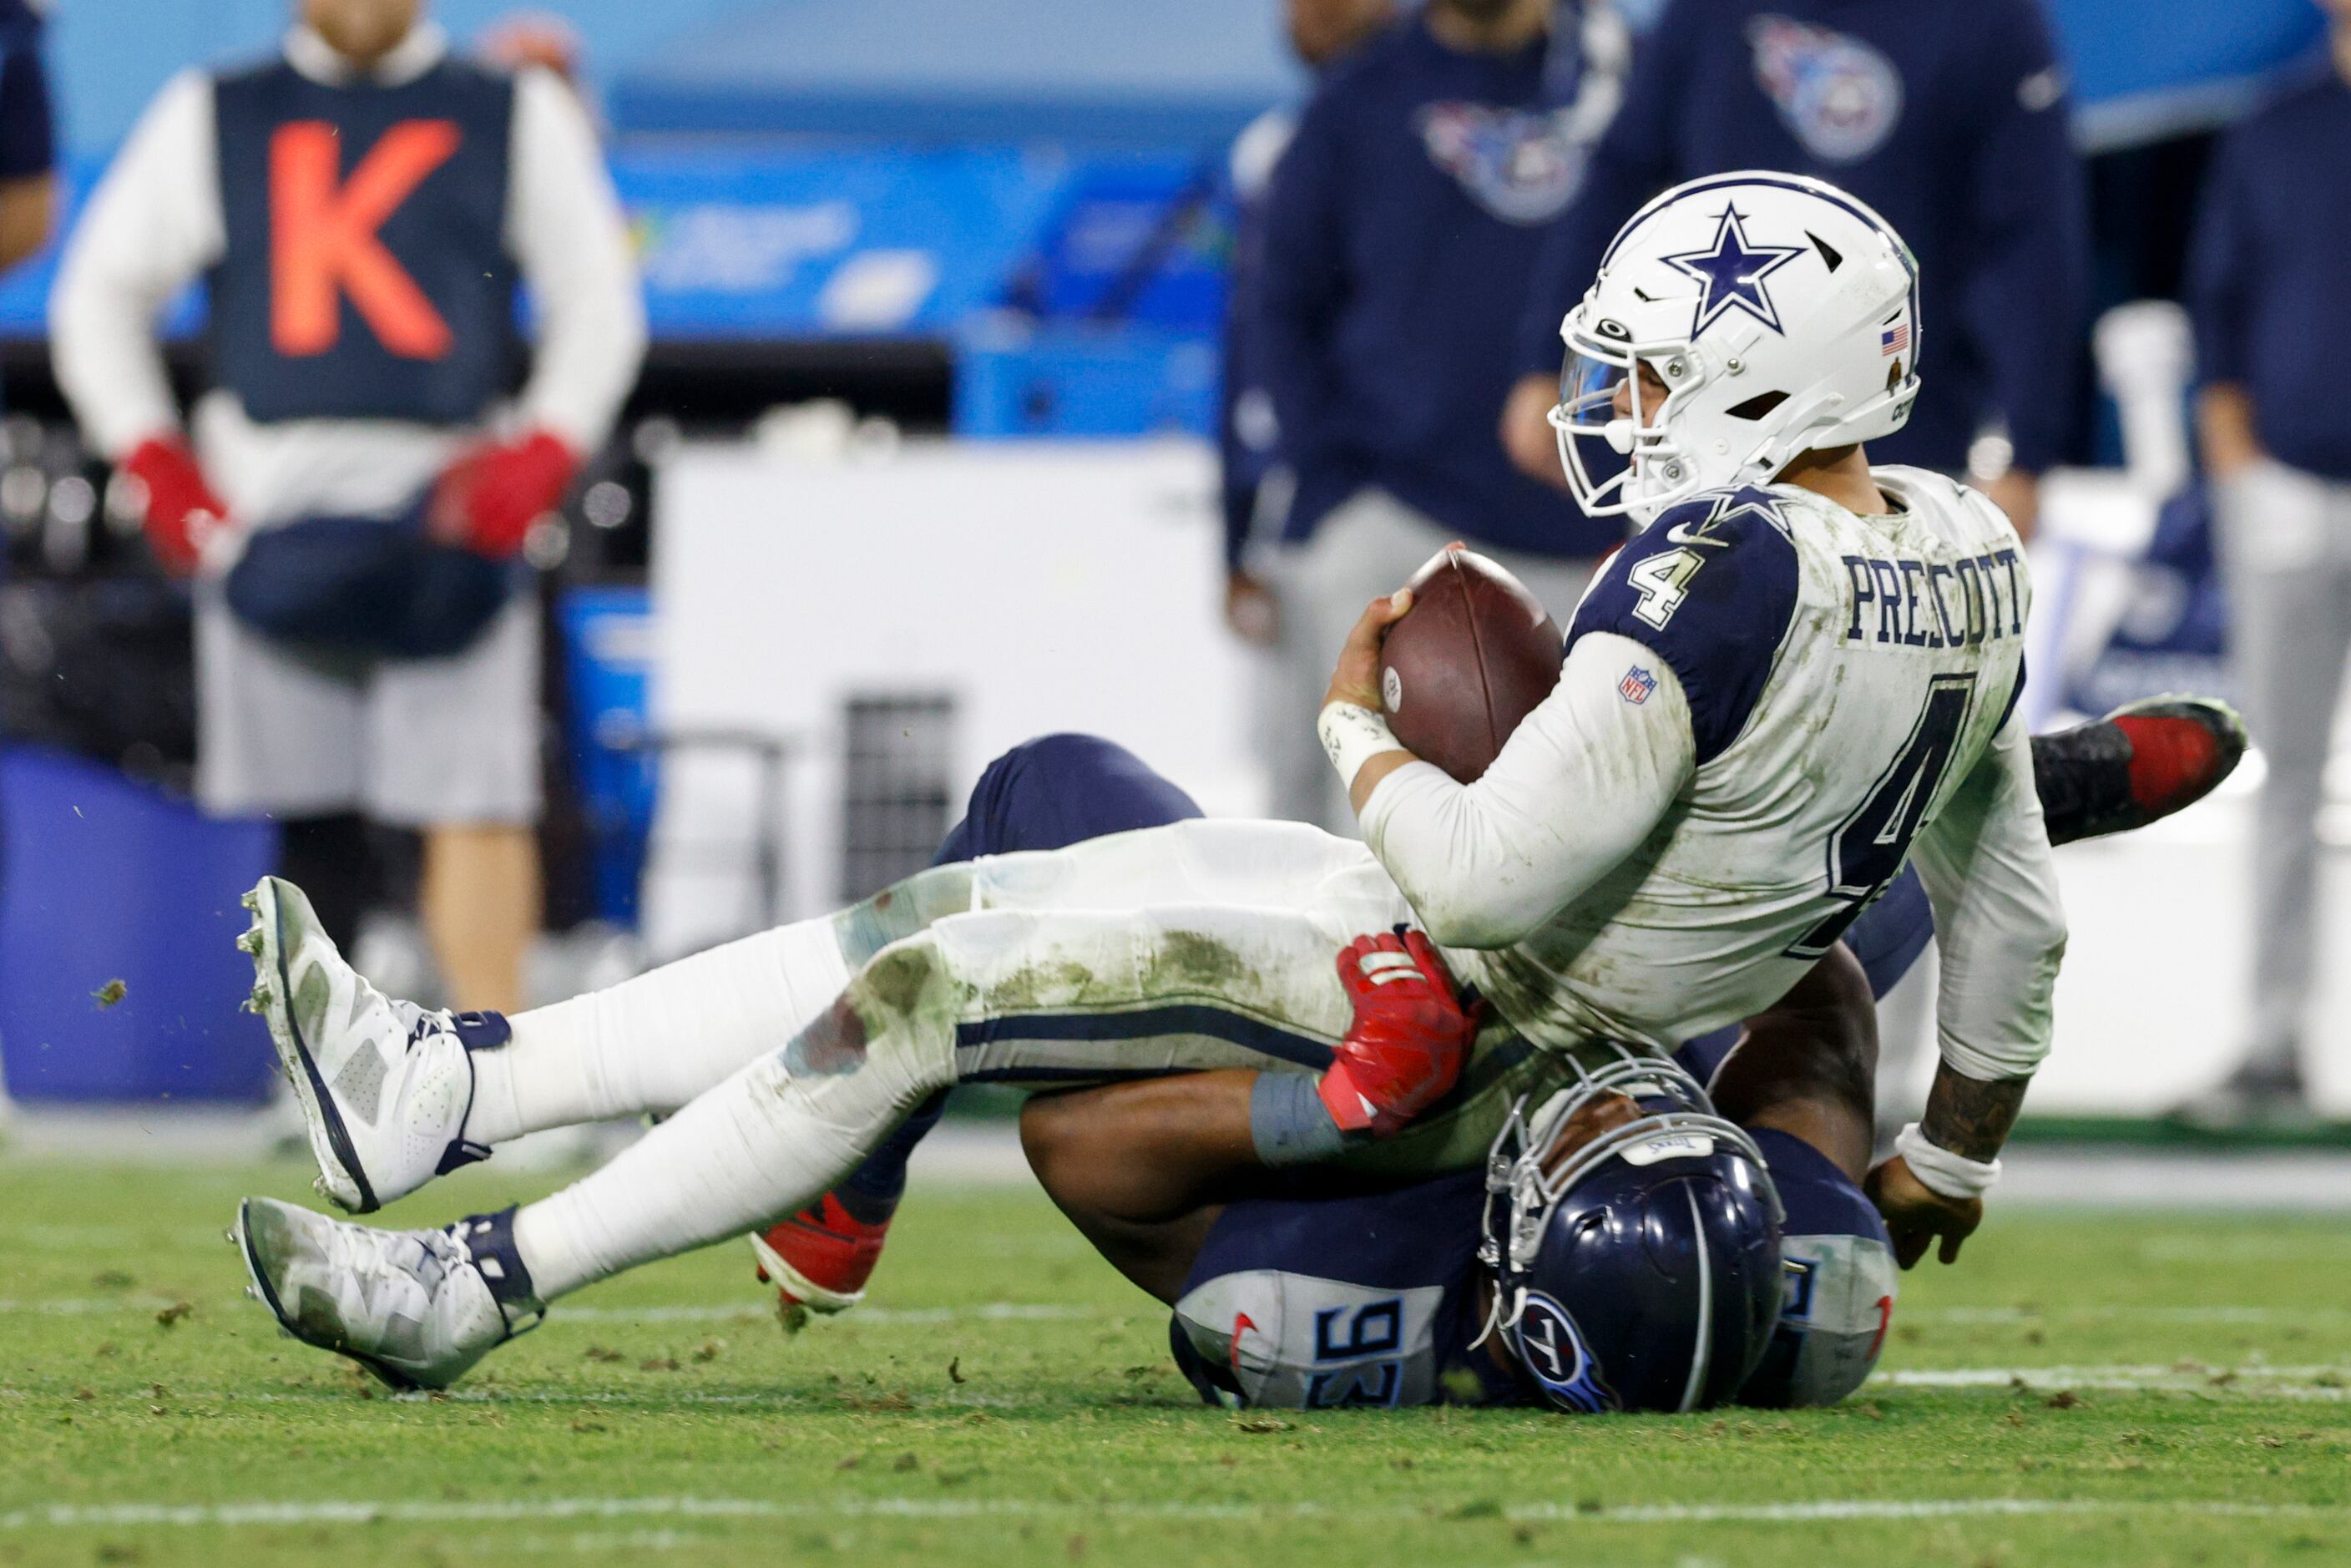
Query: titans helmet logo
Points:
[1733, 273]
[1551, 1349]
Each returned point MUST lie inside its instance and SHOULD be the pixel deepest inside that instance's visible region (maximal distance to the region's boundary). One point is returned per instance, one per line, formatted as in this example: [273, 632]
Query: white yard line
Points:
[981, 1312]
[2325, 1384]
[985, 1312]
[1057, 1311]
[2139, 1314]
[403, 1512]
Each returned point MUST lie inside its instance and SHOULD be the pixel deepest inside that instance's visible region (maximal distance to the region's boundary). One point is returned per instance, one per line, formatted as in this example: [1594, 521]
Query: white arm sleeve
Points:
[1577, 787]
[1993, 879]
[565, 231]
[153, 223]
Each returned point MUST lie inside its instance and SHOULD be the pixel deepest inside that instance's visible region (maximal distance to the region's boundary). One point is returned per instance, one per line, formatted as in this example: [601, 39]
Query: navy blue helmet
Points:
[1640, 1270]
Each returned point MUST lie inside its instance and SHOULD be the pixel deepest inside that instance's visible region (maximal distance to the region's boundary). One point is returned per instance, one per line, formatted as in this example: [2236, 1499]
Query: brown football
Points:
[1471, 658]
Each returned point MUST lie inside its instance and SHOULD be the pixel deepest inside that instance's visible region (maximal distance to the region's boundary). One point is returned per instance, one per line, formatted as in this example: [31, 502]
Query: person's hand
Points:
[2224, 426]
[1916, 1214]
[1357, 678]
[1410, 1036]
[1251, 609]
[1527, 435]
[181, 509]
[2018, 494]
[488, 499]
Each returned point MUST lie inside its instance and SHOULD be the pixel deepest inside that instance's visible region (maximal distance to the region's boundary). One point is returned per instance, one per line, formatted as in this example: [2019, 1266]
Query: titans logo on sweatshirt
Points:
[1838, 95]
[1514, 163]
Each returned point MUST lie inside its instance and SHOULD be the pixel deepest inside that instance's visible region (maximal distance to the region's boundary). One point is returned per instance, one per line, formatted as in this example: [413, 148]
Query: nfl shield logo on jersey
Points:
[1636, 685]
[1839, 95]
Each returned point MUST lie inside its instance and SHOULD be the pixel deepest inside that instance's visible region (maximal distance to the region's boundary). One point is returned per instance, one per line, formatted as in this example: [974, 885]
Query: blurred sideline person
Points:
[1950, 120]
[2273, 331]
[28, 183]
[360, 483]
[1252, 497]
[1401, 231]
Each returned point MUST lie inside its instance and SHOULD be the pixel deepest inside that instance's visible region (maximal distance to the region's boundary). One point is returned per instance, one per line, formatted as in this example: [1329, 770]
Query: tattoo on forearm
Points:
[1971, 1118]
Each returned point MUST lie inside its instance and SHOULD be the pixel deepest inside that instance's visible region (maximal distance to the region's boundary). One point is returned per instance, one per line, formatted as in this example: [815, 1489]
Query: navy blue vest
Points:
[365, 274]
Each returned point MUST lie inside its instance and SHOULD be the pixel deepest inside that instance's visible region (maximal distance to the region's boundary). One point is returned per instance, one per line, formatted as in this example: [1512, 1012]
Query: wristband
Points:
[1351, 735]
[1289, 1124]
[1942, 1172]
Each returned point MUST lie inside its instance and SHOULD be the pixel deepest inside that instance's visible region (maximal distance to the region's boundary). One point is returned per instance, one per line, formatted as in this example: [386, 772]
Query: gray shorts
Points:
[412, 743]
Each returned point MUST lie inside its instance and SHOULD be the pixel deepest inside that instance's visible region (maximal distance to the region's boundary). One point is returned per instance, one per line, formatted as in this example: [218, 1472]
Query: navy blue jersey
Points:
[2266, 280]
[1317, 1303]
[1403, 226]
[1948, 120]
[1311, 1304]
[365, 273]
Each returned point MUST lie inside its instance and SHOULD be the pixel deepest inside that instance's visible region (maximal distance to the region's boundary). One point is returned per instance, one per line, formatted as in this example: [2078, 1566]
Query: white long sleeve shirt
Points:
[154, 224]
[1767, 703]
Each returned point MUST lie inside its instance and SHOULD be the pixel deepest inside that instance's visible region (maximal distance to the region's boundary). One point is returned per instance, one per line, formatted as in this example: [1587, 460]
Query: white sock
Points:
[766, 1142]
[654, 1042]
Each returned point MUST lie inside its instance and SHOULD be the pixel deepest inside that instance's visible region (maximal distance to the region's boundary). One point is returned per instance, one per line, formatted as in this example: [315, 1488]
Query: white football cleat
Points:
[384, 1085]
[417, 1308]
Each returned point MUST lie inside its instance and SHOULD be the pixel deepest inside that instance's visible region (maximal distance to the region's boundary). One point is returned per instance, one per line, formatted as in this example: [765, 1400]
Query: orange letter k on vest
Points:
[322, 237]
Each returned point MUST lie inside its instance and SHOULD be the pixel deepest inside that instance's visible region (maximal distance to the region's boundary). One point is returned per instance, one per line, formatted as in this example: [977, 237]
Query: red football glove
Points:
[181, 507]
[488, 499]
[1410, 1037]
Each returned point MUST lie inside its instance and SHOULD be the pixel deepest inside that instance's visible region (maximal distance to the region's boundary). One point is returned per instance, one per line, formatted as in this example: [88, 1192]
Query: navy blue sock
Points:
[872, 1191]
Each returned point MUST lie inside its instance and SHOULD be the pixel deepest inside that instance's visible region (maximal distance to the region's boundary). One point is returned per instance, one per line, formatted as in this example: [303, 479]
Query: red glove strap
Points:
[492, 494]
[181, 506]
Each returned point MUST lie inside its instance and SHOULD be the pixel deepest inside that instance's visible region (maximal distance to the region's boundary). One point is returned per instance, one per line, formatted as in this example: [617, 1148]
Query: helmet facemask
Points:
[1657, 471]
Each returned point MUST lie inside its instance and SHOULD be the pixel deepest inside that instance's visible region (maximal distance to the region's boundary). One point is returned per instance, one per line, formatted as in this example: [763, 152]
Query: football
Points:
[1471, 658]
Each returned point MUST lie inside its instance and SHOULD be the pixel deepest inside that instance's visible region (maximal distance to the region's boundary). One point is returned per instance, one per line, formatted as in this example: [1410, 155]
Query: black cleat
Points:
[2137, 764]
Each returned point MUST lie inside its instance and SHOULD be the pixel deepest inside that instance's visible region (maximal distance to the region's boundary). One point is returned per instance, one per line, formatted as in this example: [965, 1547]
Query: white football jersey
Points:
[1844, 676]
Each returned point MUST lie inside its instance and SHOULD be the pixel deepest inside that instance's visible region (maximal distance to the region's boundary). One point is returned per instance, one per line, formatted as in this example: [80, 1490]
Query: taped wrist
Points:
[1289, 1124]
[1991, 1063]
[1942, 1171]
[1351, 735]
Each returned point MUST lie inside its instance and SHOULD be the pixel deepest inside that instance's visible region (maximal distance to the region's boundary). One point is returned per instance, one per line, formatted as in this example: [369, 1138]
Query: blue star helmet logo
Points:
[1733, 273]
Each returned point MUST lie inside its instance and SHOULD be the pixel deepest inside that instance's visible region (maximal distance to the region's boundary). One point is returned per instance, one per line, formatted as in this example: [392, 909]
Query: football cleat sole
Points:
[804, 1292]
[340, 1179]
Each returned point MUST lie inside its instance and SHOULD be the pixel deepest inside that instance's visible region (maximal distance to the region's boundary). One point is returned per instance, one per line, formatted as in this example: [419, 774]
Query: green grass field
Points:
[2083, 1390]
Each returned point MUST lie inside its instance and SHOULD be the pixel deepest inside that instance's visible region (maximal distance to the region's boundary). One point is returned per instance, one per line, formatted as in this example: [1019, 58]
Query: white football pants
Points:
[1199, 944]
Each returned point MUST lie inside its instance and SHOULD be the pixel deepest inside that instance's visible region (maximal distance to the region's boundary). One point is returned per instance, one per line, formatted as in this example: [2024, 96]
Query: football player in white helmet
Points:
[1774, 315]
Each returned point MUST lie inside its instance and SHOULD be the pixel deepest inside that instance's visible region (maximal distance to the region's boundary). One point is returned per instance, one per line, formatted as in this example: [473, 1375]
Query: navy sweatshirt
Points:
[2270, 281]
[1402, 231]
[1949, 119]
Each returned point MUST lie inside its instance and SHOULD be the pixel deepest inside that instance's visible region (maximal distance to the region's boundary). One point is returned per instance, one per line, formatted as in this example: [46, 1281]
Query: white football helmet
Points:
[1780, 315]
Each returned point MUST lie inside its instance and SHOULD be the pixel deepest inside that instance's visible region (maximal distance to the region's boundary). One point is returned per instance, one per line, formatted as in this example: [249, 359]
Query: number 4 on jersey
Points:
[1664, 582]
[1867, 850]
